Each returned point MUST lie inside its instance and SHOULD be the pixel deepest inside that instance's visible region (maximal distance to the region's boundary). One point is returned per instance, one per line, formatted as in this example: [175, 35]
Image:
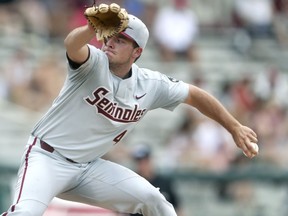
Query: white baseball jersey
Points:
[96, 109]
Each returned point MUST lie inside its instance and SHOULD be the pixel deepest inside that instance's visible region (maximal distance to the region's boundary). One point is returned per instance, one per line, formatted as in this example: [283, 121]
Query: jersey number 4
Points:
[119, 137]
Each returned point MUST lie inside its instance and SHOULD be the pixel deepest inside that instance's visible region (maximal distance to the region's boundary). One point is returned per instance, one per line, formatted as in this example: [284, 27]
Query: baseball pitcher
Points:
[104, 95]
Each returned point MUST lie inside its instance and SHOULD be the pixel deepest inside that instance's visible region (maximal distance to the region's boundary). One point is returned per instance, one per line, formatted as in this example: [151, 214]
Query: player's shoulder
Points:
[152, 75]
[147, 74]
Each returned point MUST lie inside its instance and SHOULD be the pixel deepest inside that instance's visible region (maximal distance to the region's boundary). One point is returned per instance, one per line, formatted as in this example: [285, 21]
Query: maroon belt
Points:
[50, 149]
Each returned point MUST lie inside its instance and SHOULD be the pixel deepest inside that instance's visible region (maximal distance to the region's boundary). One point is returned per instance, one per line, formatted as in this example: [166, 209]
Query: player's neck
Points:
[123, 72]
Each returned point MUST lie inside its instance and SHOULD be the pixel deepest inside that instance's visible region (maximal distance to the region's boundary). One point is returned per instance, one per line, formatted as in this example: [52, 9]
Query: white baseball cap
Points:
[136, 31]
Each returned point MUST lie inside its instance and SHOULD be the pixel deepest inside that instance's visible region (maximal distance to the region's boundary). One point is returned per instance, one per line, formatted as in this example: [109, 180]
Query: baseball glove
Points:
[107, 20]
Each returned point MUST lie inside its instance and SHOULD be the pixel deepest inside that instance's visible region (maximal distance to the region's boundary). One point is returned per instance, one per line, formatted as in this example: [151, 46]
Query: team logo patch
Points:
[172, 79]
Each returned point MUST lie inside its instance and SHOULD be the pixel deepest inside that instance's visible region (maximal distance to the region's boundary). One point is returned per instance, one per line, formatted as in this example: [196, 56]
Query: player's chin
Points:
[112, 61]
[111, 56]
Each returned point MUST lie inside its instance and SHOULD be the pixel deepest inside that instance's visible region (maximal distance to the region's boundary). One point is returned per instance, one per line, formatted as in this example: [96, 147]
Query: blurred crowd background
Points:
[235, 49]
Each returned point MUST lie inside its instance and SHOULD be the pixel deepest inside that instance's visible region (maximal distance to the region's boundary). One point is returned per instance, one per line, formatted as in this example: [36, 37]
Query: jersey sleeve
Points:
[87, 66]
[170, 93]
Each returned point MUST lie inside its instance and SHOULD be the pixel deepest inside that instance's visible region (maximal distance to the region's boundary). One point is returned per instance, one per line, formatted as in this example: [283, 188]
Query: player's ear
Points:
[137, 52]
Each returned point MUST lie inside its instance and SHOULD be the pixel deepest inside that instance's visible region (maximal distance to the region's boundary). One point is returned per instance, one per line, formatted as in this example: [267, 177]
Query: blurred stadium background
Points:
[248, 73]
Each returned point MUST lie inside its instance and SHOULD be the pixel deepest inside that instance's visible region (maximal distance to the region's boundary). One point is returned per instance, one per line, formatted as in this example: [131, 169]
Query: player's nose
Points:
[109, 42]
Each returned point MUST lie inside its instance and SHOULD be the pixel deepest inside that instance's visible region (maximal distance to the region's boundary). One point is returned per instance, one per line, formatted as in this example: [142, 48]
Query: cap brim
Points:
[128, 37]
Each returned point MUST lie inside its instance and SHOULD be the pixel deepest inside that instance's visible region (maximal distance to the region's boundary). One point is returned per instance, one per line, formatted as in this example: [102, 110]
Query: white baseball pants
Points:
[44, 175]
